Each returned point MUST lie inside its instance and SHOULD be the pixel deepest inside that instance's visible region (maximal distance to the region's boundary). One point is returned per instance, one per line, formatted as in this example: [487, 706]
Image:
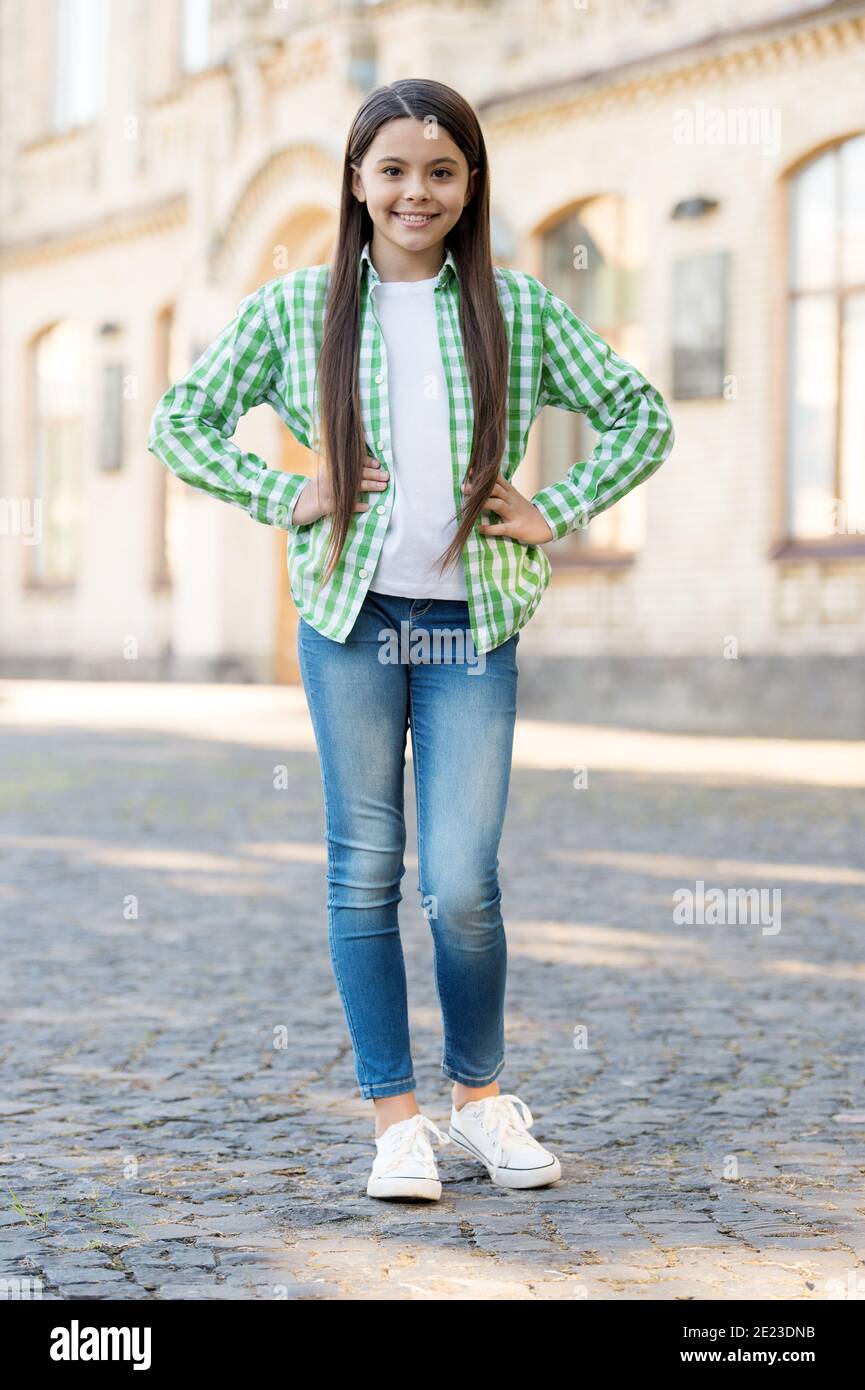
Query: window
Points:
[59, 452]
[81, 61]
[825, 435]
[592, 260]
[195, 41]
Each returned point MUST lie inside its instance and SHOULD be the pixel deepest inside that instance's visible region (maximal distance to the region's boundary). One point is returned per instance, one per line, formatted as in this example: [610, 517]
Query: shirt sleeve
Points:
[193, 424]
[581, 372]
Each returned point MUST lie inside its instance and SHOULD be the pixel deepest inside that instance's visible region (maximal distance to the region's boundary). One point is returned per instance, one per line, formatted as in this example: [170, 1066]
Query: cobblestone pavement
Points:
[179, 1111]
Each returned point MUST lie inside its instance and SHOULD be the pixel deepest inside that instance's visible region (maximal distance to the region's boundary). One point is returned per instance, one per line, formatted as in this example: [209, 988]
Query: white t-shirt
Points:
[421, 525]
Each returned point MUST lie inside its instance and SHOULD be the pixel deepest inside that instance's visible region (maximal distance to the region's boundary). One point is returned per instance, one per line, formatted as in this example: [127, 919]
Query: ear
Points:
[357, 187]
[470, 191]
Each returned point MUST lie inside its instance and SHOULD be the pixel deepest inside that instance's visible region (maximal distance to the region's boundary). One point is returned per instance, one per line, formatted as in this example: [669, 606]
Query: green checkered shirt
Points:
[269, 352]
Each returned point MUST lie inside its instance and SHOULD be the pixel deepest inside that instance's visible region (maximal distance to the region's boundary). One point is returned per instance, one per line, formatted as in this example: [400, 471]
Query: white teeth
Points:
[406, 217]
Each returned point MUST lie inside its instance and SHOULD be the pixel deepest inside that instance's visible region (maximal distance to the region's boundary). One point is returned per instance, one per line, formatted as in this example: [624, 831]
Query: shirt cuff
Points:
[273, 496]
[559, 515]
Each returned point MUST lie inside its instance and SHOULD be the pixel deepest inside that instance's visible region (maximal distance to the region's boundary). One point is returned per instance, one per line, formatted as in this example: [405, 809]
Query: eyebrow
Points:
[397, 159]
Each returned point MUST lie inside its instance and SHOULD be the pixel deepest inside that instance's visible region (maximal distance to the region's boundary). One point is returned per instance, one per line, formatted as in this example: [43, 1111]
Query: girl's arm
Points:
[194, 421]
[583, 373]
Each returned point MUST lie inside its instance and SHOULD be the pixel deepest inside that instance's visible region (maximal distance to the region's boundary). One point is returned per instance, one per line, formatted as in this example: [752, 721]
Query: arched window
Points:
[825, 436]
[592, 259]
[58, 464]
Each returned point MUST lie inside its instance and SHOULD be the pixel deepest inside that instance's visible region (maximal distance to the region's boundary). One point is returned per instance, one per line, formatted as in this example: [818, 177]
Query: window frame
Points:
[788, 545]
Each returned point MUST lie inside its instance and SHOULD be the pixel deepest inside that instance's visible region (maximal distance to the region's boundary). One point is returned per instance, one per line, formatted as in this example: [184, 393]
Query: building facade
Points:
[690, 177]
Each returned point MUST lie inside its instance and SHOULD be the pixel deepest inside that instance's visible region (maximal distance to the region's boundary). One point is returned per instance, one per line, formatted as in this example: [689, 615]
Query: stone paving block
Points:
[99, 1290]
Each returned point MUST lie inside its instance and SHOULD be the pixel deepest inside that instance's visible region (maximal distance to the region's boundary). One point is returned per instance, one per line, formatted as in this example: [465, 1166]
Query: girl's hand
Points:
[373, 479]
[520, 519]
[316, 499]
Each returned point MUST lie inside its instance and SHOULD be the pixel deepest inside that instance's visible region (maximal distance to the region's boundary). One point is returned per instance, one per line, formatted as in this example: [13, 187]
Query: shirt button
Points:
[379, 508]
[363, 574]
[379, 379]
[380, 444]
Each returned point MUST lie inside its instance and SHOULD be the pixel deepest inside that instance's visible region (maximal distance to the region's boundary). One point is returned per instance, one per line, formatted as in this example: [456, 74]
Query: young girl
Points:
[419, 367]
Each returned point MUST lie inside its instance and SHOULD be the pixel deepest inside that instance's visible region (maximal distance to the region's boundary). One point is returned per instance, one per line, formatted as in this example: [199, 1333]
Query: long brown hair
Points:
[481, 322]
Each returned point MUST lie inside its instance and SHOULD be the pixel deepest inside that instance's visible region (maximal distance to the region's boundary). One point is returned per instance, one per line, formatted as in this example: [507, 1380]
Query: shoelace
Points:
[501, 1119]
[415, 1141]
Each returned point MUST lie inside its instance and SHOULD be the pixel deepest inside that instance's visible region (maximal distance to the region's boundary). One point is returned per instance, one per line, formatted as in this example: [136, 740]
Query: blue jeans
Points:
[461, 708]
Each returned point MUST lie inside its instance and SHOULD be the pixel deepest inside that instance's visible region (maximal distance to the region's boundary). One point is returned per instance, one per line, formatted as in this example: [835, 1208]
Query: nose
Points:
[417, 189]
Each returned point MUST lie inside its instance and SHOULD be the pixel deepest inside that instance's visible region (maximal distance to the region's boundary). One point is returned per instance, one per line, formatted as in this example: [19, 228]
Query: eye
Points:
[394, 169]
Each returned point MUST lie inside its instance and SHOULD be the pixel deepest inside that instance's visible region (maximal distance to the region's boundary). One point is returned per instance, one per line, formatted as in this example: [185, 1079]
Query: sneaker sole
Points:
[519, 1179]
[404, 1189]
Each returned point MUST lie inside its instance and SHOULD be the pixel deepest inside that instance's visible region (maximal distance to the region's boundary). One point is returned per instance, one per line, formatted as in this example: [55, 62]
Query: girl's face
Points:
[415, 182]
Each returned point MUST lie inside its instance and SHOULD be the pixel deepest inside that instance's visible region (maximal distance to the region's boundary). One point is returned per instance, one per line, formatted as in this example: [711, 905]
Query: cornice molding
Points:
[126, 224]
[659, 74]
[266, 186]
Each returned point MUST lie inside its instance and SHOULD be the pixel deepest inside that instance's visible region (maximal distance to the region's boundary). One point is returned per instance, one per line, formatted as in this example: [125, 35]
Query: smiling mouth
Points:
[415, 219]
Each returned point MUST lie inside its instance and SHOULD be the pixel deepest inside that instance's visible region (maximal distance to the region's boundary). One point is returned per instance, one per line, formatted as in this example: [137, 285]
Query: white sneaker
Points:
[494, 1131]
[405, 1164]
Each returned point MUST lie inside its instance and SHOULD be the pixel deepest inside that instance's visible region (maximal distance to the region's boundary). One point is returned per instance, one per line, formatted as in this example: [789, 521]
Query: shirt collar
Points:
[449, 266]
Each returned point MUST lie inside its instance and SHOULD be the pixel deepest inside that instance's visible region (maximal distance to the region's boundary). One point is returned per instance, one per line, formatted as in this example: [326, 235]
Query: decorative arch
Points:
[296, 188]
[291, 203]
